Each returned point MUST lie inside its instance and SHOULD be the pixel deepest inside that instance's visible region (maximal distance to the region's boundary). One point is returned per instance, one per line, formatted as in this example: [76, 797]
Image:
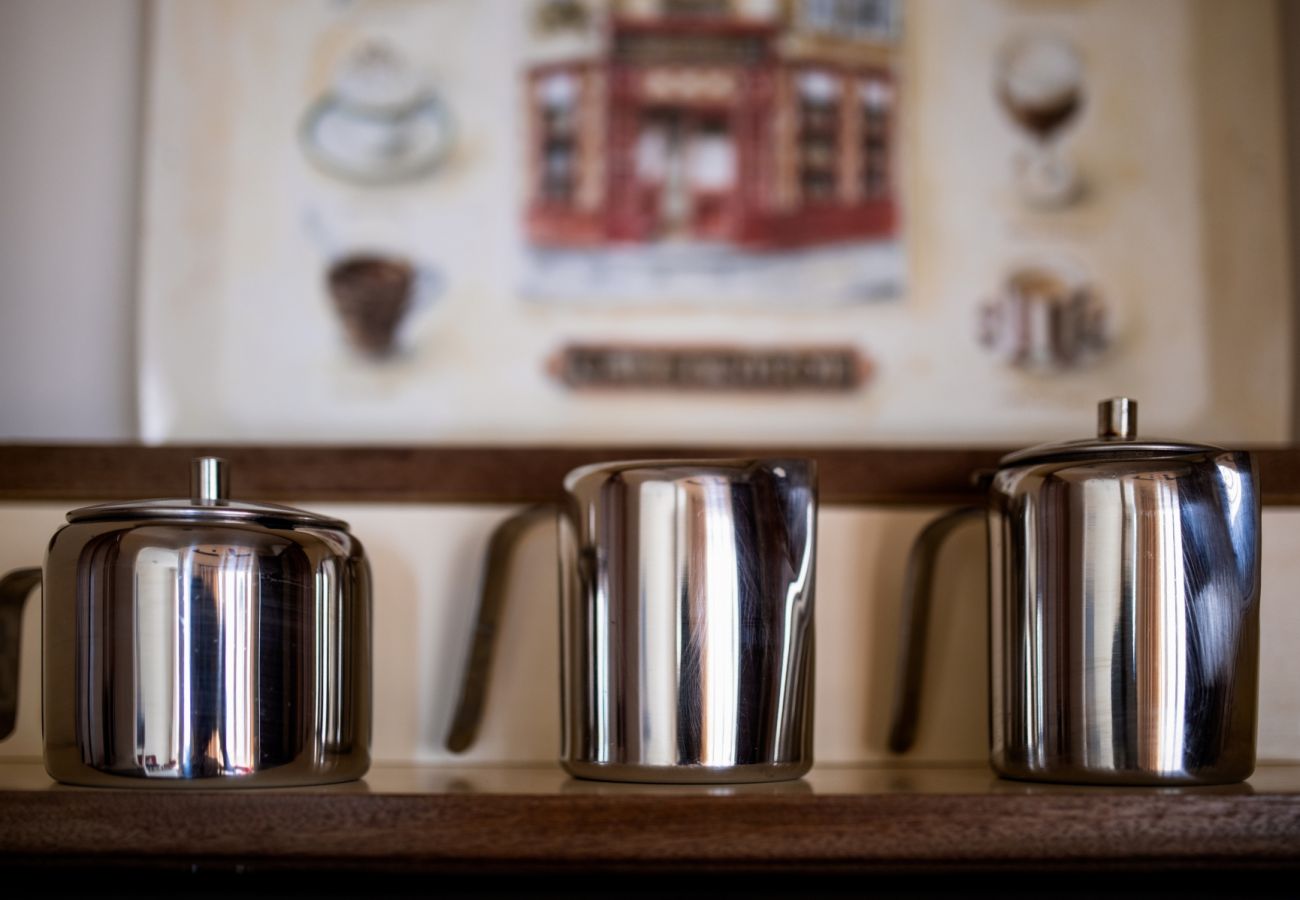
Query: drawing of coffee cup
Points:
[1046, 317]
[372, 294]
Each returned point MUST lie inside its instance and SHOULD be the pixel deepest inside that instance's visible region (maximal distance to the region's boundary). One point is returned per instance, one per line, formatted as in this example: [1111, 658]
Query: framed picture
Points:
[830, 221]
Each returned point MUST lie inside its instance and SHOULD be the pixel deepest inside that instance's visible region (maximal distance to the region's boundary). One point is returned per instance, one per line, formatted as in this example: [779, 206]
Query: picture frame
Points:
[241, 314]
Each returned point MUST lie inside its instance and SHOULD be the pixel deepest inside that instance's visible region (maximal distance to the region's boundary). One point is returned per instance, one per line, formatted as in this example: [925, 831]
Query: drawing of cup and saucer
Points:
[379, 123]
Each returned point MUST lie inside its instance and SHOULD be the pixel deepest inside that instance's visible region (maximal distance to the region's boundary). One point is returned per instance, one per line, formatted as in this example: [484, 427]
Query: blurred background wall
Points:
[70, 90]
[71, 86]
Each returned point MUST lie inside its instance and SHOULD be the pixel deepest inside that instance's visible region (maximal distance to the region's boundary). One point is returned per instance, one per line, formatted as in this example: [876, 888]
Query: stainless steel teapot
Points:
[198, 642]
[1124, 610]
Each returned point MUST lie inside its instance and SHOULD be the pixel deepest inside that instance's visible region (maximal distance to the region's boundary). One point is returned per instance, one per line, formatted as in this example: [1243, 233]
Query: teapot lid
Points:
[209, 502]
[1116, 438]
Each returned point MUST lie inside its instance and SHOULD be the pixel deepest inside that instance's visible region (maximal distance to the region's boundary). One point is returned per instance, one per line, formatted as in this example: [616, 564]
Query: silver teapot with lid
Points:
[198, 642]
[1124, 610]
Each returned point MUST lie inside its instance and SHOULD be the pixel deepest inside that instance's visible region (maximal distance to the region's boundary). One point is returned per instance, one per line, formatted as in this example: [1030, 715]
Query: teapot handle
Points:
[917, 597]
[15, 588]
[492, 594]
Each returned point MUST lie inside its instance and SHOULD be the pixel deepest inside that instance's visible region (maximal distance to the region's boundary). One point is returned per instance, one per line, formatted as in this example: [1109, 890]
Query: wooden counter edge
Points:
[393, 832]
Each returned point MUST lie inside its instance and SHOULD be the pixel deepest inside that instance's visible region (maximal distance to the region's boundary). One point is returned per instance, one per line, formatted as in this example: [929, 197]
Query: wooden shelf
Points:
[408, 819]
[914, 476]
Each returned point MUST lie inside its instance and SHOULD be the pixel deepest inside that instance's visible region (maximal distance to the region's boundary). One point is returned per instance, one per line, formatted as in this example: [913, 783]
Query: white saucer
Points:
[373, 147]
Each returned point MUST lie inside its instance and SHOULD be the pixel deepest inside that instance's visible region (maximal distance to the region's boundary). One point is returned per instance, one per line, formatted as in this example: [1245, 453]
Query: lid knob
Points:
[209, 480]
[1117, 419]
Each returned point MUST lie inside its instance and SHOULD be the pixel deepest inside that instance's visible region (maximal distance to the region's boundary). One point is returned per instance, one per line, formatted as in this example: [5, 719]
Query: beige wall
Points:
[70, 75]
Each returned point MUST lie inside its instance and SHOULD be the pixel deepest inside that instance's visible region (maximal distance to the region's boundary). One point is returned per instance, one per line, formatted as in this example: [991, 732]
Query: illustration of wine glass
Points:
[1040, 83]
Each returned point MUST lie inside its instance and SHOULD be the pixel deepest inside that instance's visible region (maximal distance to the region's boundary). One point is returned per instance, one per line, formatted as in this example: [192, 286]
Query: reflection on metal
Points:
[209, 480]
[160, 674]
[1125, 620]
[1117, 419]
[204, 643]
[240, 659]
[1124, 610]
[686, 608]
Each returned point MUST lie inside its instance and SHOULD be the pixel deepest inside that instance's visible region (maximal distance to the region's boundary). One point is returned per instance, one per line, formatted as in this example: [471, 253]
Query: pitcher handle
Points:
[917, 600]
[492, 594]
[15, 588]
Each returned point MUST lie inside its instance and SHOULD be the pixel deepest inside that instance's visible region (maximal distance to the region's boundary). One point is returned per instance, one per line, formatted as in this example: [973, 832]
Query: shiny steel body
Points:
[205, 644]
[1124, 610]
[1125, 618]
[687, 620]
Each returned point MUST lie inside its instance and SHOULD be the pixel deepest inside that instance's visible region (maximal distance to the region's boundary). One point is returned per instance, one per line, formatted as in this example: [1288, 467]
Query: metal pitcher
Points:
[1124, 610]
[686, 634]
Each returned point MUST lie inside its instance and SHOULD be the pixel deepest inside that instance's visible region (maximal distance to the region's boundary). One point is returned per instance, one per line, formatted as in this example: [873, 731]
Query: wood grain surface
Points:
[920, 476]
[269, 830]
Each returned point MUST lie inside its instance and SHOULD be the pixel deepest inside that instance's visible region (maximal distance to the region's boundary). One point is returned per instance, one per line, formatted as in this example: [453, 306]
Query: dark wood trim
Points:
[1289, 44]
[449, 474]
[268, 830]
[916, 476]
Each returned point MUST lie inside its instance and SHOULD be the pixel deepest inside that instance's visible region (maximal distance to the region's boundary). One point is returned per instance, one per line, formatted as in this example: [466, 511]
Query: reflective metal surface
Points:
[1124, 611]
[687, 620]
[205, 653]
[209, 481]
[1116, 438]
[1125, 619]
[1117, 418]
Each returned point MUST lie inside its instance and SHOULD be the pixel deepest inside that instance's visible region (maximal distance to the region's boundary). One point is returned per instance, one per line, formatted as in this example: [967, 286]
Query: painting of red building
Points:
[758, 125]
